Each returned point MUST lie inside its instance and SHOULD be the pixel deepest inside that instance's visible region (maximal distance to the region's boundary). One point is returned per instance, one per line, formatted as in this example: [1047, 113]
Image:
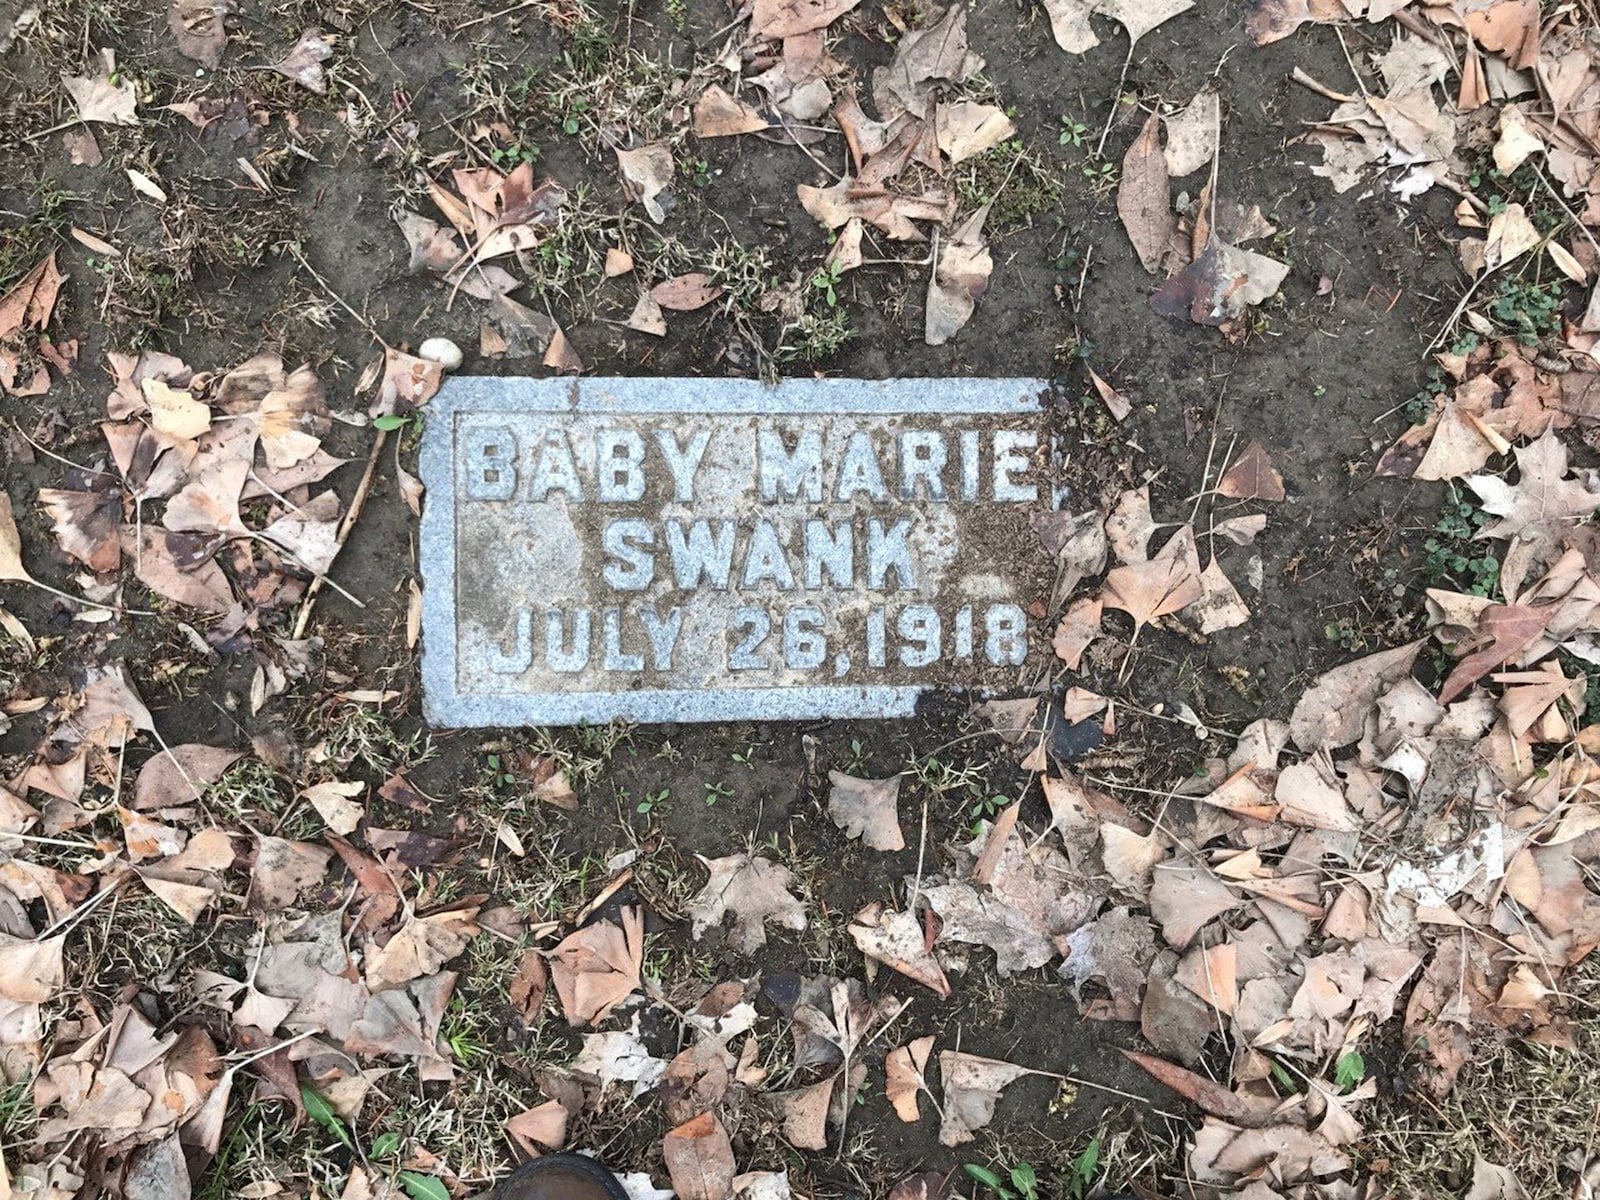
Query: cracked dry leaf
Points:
[754, 891]
[1144, 198]
[1219, 606]
[100, 100]
[1192, 134]
[805, 1114]
[1185, 897]
[699, 1159]
[971, 1085]
[1069, 19]
[866, 809]
[618, 1056]
[597, 967]
[1114, 950]
[903, 1077]
[896, 939]
[1218, 286]
[936, 52]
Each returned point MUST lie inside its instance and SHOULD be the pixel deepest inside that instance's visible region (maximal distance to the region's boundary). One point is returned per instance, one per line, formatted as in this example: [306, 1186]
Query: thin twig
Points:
[1116, 98]
[363, 489]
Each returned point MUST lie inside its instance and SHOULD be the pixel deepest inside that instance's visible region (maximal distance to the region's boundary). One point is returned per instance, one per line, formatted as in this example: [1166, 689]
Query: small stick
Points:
[363, 489]
[1116, 97]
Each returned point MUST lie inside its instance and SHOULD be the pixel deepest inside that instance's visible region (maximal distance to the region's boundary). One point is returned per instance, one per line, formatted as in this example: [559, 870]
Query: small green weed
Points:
[1530, 310]
[1349, 1071]
[1083, 1169]
[1453, 557]
[1020, 1183]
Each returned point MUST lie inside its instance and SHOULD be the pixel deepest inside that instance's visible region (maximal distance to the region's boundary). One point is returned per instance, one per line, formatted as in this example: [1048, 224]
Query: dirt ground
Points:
[225, 269]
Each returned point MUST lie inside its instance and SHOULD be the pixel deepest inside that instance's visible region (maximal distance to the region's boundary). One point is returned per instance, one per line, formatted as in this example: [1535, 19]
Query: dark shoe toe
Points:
[560, 1177]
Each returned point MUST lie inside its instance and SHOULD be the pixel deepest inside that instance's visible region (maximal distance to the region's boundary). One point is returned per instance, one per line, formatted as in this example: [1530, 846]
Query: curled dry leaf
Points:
[866, 809]
[1069, 19]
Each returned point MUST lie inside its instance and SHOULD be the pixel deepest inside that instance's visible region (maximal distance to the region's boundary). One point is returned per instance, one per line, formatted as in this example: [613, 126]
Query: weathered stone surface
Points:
[708, 550]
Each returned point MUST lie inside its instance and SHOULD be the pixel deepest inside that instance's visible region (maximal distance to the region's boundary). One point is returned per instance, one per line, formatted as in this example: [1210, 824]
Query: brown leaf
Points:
[972, 1086]
[527, 988]
[1211, 973]
[647, 317]
[284, 869]
[88, 524]
[597, 967]
[896, 939]
[754, 891]
[303, 63]
[960, 276]
[1508, 628]
[1166, 583]
[646, 176]
[99, 99]
[1079, 626]
[1069, 19]
[686, 293]
[699, 1159]
[539, 1129]
[1252, 476]
[408, 383]
[1116, 403]
[903, 1077]
[717, 114]
[805, 1115]
[1209, 1095]
[1144, 200]
[1219, 285]
[786, 18]
[866, 809]
[32, 299]
[562, 357]
[965, 128]
[1334, 710]
[196, 26]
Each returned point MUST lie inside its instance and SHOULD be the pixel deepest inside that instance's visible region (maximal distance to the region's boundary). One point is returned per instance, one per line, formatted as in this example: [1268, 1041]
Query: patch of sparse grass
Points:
[1018, 184]
[361, 735]
[1532, 1108]
[583, 751]
[1454, 559]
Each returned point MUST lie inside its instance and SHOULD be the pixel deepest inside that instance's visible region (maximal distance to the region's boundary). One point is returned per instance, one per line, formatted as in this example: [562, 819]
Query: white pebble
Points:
[442, 351]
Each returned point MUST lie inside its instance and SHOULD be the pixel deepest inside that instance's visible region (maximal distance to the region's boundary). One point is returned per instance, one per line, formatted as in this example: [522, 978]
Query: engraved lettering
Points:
[1008, 460]
[922, 459]
[520, 657]
[613, 657]
[832, 551]
[919, 627]
[766, 560]
[887, 550]
[1006, 630]
[554, 469]
[663, 635]
[629, 567]
[859, 470]
[557, 655]
[491, 452]
[782, 474]
[619, 459]
[683, 461]
[700, 554]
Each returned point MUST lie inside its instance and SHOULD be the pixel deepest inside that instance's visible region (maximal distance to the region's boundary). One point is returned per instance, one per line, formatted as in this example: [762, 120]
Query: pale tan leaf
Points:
[755, 891]
[896, 939]
[597, 967]
[866, 809]
[903, 1077]
[1144, 200]
[699, 1159]
[972, 1086]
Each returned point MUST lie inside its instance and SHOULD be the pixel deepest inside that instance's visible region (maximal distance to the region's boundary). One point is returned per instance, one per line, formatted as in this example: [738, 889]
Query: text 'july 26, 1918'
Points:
[720, 549]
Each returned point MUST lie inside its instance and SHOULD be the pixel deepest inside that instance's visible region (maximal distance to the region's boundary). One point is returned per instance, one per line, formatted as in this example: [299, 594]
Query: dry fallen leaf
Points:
[597, 967]
[960, 276]
[420, 947]
[283, 870]
[903, 1077]
[1192, 134]
[717, 114]
[699, 1159]
[1144, 200]
[303, 63]
[896, 939]
[972, 1086]
[754, 891]
[1069, 19]
[787, 18]
[965, 128]
[1252, 476]
[686, 293]
[646, 176]
[866, 809]
[99, 99]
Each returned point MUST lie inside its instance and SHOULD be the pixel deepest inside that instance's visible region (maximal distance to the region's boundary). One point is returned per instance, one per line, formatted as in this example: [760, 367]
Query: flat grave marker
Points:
[716, 549]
